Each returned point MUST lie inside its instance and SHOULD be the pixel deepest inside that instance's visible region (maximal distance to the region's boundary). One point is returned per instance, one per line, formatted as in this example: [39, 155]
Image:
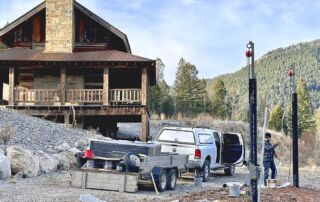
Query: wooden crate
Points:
[104, 180]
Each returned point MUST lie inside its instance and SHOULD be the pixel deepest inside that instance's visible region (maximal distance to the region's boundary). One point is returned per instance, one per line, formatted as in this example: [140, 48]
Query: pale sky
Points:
[211, 34]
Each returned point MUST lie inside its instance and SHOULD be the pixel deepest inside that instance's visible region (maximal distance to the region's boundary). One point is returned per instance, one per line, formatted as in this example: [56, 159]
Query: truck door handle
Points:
[174, 145]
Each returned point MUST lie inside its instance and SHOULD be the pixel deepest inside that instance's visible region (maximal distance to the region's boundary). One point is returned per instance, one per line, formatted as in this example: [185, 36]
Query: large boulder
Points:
[23, 160]
[48, 163]
[67, 159]
[5, 169]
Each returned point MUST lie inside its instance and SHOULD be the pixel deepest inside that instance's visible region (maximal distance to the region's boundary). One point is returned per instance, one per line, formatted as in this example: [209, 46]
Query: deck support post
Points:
[105, 92]
[66, 119]
[11, 86]
[144, 127]
[144, 86]
[63, 85]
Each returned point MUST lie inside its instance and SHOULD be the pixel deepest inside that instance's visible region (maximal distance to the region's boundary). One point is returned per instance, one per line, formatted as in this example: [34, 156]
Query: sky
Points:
[211, 34]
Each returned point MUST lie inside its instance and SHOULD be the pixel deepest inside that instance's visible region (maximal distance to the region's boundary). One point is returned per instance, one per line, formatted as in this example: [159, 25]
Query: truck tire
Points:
[162, 181]
[229, 171]
[206, 171]
[172, 179]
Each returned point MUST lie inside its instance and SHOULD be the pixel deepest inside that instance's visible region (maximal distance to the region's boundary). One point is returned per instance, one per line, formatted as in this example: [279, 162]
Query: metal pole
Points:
[295, 131]
[253, 121]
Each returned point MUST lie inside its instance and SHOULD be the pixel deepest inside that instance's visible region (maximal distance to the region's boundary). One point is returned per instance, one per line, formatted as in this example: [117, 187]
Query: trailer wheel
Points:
[162, 181]
[172, 179]
[229, 171]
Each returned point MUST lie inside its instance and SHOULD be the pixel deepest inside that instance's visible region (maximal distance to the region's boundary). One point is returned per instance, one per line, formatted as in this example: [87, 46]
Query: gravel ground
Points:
[56, 187]
[39, 134]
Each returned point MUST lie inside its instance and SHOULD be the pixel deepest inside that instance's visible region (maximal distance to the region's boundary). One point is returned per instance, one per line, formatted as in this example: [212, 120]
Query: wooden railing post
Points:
[144, 86]
[11, 86]
[62, 85]
[105, 93]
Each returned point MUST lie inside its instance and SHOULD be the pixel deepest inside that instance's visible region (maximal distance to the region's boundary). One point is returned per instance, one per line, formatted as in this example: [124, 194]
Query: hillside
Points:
[272, 77]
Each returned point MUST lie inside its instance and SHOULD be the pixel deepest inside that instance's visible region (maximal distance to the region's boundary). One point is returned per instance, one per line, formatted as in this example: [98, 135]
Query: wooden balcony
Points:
[124, 96]
[24, 96]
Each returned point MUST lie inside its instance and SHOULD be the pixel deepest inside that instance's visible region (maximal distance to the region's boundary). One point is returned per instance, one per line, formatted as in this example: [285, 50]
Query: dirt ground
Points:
[56, 187]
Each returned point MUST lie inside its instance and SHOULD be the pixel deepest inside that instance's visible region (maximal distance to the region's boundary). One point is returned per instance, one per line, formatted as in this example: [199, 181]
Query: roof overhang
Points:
[37, 58]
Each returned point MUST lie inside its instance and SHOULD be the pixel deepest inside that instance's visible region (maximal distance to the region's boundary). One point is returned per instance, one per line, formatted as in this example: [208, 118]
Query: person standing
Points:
[268, 158]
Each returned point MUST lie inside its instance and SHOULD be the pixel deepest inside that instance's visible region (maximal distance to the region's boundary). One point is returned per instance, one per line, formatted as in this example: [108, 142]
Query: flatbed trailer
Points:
[125, 173]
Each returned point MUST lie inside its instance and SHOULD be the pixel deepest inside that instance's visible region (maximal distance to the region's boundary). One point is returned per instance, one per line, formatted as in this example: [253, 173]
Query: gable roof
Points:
[83, 9]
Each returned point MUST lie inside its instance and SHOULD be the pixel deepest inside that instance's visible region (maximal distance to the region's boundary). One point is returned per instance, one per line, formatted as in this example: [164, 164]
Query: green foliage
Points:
[220, 104]
[305, 111]
[190, 91]
[160, 100]
[275, 120]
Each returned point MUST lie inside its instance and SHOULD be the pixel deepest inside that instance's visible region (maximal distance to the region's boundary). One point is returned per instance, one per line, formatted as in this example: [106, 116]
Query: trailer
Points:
[124, 166]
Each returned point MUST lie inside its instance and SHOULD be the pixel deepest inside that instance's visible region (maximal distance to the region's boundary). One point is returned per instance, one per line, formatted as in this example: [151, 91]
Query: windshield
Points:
[176, 136]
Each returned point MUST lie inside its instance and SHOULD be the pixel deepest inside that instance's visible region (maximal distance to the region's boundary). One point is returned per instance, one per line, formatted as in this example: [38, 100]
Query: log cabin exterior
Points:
[65, 63]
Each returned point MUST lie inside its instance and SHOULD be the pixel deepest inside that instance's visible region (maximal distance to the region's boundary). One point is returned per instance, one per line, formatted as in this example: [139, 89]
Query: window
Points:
[18, 37]
[177, 136]
[90, 34]
[216, 137]
[205, 139]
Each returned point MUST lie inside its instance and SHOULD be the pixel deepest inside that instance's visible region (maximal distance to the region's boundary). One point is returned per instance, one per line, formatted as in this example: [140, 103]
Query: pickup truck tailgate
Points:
[178, 148]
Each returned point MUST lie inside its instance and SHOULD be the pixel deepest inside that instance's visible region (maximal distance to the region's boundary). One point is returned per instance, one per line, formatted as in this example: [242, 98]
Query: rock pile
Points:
[30, 146]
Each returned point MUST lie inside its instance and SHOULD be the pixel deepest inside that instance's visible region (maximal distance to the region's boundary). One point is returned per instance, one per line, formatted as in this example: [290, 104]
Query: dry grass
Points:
[6, 133]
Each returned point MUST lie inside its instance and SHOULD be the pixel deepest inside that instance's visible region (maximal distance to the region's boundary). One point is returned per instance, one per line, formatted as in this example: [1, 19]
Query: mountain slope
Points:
[272, 77]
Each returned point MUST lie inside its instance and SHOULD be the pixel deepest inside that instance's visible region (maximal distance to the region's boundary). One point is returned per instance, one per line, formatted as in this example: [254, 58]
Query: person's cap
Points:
[267, 135]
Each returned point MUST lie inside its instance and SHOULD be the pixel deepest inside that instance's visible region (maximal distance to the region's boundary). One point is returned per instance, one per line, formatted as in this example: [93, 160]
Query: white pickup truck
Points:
[207, 149]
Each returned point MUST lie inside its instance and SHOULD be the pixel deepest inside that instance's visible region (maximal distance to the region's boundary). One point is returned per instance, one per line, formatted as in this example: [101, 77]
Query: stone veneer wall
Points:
[59, 26]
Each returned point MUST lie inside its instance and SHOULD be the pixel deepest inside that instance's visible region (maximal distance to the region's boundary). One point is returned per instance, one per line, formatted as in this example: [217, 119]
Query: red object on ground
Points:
[290, 73]
[197, 154]
[249, 53]
[88, 153]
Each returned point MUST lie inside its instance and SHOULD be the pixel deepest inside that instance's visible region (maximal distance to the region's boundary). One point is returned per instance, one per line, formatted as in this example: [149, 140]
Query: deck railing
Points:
[116, 96]
[36, 95]
[125, 96]
[84, 95]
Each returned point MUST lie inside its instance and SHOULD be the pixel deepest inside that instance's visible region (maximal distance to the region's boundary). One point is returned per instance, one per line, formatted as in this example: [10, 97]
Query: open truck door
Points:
[233, 149]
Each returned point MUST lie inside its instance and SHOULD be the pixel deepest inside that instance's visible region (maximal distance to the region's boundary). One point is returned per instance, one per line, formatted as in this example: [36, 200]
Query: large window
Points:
[205, 139]
[177, 136]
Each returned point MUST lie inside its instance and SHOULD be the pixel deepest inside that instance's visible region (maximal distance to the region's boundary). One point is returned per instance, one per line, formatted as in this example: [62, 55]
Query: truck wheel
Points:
[162, 181]
[229, 171]
[172, 179]
[206, 171]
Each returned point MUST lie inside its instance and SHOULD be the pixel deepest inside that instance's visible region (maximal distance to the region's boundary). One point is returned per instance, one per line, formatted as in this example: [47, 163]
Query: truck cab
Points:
[208, 149]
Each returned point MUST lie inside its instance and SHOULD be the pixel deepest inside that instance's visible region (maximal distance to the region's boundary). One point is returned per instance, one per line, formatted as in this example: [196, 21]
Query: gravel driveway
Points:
[56, 187]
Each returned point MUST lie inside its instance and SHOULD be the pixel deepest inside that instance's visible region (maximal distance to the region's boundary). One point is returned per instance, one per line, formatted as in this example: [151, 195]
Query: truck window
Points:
[205, 139]
[177, 136]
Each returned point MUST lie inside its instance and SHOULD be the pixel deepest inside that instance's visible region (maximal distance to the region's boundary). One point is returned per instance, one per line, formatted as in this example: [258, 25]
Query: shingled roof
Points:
[25, 54]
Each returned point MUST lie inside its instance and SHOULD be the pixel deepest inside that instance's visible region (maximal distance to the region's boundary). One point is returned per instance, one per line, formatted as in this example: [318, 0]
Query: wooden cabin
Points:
[63, 62]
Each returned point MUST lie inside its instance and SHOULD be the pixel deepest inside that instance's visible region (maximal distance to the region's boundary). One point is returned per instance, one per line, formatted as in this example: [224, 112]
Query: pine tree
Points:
[275, 121]
[219, 98]
[161, 101]
[190, 91]
[305, 112]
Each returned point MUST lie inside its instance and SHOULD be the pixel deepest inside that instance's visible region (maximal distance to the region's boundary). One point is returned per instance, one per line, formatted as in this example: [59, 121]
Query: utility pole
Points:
[253, 121]
[295, 130]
